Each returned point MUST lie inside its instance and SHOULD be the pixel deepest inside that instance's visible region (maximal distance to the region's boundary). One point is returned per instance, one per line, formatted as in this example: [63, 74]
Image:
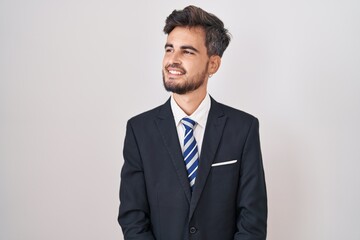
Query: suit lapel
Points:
[213, 132]
[166, 125]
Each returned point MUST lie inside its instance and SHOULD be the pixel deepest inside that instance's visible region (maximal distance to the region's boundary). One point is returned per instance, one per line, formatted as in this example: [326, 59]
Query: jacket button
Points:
[193, 230]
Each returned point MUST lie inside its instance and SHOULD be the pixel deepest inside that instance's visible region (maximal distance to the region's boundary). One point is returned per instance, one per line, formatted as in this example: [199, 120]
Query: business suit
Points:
[228, 200]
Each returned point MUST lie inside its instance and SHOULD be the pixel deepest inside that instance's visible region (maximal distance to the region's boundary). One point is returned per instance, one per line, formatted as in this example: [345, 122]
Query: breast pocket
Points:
[224, 173]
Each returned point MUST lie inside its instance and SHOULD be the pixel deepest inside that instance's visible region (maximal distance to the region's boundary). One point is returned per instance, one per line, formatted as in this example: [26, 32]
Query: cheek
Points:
[194, 67]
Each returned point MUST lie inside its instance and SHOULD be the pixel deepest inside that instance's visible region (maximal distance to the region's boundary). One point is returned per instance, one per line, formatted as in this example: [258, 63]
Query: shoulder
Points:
[234, 114]
[145, 117]
[149, 116]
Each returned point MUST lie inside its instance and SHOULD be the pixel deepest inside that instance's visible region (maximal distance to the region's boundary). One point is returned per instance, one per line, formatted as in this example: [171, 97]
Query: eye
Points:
[168, 50]
[188, 52]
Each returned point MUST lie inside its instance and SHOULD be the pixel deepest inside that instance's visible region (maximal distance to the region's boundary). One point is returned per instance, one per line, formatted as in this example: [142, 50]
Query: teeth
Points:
[175, 72]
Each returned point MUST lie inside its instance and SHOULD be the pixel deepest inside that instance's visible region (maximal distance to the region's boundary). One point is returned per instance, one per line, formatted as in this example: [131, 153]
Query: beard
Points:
[188, 85]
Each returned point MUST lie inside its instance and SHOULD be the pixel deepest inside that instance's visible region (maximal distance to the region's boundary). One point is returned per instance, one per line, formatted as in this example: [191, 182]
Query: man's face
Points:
[185, 63]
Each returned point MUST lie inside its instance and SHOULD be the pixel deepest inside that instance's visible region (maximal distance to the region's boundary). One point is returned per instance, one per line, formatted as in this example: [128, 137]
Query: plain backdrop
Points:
[72, 73]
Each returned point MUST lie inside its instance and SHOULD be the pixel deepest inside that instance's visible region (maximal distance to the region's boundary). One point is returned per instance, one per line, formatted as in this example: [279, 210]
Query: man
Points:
[193, 167]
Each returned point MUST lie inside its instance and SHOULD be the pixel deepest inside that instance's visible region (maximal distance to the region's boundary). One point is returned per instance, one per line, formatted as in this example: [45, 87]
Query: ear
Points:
[214, 64]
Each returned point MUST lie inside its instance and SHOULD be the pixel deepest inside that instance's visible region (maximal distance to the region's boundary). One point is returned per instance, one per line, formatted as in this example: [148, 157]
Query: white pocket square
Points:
[224, 163]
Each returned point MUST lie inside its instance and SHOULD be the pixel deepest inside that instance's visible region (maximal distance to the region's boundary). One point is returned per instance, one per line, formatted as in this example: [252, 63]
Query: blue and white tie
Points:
[191, 153]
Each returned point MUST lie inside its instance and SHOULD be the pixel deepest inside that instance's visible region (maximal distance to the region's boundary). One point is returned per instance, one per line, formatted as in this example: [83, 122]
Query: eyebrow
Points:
[182, 47]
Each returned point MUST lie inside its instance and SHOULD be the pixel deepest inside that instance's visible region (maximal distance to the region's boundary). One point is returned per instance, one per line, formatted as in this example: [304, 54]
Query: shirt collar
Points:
[199, 116]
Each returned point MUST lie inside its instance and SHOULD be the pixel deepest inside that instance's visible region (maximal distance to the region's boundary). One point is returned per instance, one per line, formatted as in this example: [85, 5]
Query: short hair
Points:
[217, 38]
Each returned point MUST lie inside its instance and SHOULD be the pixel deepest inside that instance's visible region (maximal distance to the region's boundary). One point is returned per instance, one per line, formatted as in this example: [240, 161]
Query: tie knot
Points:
[188, 123]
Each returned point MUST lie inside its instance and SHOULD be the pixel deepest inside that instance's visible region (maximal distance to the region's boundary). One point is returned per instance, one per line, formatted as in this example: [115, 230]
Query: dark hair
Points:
[217, 38]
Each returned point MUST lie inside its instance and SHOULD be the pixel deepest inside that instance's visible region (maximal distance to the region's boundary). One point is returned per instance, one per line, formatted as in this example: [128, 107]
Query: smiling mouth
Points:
[175, 72]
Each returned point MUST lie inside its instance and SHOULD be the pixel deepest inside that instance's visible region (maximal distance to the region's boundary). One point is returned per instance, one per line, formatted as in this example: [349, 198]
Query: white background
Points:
[72, 72]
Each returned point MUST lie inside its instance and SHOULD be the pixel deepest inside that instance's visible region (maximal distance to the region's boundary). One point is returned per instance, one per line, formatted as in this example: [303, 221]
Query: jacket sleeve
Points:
[252, 199]
[134, 213]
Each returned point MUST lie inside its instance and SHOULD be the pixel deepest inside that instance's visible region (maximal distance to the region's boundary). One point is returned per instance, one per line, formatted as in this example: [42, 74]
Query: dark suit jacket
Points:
[228, 201]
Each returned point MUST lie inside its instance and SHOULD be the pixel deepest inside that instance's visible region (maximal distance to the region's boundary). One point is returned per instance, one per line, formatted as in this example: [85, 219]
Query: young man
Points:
[193, 167]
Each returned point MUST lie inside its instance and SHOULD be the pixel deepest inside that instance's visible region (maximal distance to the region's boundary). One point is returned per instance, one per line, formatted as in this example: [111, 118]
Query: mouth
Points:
[175, 72]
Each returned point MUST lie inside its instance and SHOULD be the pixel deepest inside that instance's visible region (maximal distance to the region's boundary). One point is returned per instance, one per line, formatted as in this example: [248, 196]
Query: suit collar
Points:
[165, 110]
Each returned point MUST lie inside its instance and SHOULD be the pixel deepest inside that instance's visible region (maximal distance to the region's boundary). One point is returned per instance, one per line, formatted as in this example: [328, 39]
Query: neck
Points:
[189, 102]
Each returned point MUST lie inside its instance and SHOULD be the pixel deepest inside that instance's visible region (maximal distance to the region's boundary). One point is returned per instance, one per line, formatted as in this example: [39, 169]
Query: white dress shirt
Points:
[199, 116]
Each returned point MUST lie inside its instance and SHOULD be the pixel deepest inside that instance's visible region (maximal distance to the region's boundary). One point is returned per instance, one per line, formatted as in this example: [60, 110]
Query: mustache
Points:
[175, 65]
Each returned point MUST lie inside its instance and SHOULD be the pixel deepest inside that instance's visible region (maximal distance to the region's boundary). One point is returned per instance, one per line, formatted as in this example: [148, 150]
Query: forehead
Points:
[180, 36]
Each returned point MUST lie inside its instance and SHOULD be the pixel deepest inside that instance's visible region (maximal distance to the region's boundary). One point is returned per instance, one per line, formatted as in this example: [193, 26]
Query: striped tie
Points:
[191, 154]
